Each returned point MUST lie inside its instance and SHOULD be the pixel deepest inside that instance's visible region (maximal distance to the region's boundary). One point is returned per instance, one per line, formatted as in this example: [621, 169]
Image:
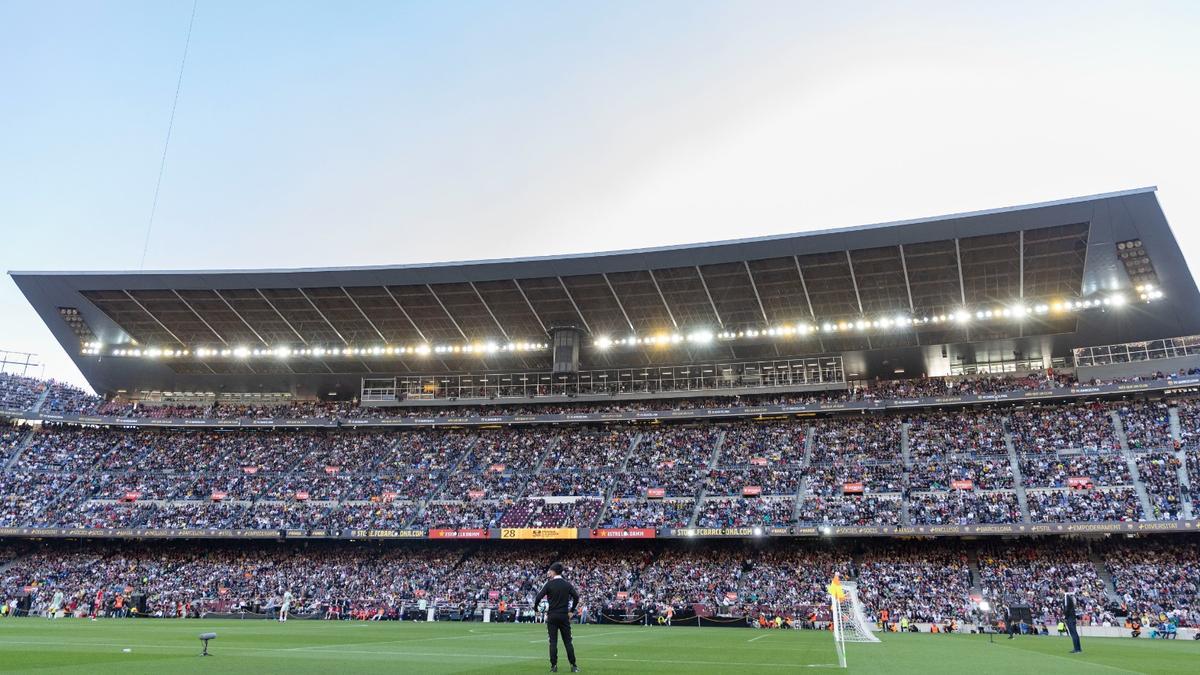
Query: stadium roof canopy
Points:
[408, 319]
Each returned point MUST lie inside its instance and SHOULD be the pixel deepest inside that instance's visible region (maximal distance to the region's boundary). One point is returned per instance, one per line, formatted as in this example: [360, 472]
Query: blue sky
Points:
[361, 133]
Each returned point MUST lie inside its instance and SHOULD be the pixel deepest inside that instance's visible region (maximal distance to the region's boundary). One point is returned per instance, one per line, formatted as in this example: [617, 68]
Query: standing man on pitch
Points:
[287, 604]
[563, 601]
[1069, 617]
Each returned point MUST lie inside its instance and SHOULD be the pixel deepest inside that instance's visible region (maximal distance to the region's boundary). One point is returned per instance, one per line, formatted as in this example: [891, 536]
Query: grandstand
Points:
[944, 410]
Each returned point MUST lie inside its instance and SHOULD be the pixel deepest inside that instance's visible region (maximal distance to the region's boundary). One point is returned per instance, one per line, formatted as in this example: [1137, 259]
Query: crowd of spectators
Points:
[959, 471]
[740, 512]
[1158, 577]
[1159, 472]
[18, 392]
[927, 581]
[1073, 426]
[1147, 425]
[1035, 575]
[1048, 471]
[1084, 505]
[963, 507]
[916, 581]
[958, 434]
[851, 510]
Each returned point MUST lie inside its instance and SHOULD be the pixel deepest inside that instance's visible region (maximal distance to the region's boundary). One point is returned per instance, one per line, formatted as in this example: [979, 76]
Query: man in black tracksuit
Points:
[563, 601]
[1069, 616]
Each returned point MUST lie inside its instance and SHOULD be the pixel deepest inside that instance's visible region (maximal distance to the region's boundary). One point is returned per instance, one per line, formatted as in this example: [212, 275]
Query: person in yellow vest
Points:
[779, 622]
[904, 624]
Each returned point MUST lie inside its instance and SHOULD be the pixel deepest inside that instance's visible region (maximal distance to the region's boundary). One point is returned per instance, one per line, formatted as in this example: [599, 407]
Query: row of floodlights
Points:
[962, 316]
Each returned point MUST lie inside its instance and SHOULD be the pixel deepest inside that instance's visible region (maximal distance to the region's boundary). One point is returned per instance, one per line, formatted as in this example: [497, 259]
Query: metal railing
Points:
[703, 377]
[1132, 352]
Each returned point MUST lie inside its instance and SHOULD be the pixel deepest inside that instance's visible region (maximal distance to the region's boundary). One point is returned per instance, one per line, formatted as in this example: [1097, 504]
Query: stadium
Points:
[956, 419]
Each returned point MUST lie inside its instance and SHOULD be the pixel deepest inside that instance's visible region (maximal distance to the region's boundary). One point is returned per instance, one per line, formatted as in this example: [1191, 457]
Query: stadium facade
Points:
[1003, 289]
[1091, 295]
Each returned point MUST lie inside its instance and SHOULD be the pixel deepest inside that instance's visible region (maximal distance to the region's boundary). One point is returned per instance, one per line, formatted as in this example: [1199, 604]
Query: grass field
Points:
[166, 646]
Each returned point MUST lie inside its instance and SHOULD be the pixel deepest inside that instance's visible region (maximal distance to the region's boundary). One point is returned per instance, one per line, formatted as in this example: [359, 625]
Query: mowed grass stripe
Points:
[249, 646]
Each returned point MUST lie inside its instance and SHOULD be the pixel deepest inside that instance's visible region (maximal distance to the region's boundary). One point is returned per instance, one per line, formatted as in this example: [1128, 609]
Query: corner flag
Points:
[835, 588]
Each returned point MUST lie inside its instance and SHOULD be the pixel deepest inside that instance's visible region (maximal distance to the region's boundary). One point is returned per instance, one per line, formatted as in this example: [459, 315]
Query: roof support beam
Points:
[241, 318]
[1021, 259]
[572, 299]
[281, 317]
[962, 287]
[517, 283]
[155, 318]
[664, 299]
[754, 286]
[854, 281]
[907, 286]
[448, 314]
[323, 317]
[405, 313]
[489, 311]
[618, 299]
[364, 314]
[804, 287]
[193, 311]
[709, 295]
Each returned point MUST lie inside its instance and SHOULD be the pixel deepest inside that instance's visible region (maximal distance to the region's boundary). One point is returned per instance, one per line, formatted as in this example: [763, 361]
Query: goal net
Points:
[850, 622]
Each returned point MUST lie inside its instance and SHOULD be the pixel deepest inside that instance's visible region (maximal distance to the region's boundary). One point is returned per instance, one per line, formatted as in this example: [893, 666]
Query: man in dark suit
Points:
[1070, 617]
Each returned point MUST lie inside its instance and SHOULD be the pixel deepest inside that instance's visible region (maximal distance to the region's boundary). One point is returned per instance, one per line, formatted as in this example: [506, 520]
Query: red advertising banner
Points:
[250, 469]
[458, 534]
[621, 595]
[730, 595]
[132, 496]
[475, 494]
[332, 469]
[852, 487]
[656, 493]
[962, 484]
[218, 496]
[628, 533]
[493, 595]
[1079, 482]
[668, 464]
[496, 468]
[751, 490]
[758, 461]
[301, 495]
[388, 496]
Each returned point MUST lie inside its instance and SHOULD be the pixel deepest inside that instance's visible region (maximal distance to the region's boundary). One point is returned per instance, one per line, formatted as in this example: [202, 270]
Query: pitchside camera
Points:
[205, 637]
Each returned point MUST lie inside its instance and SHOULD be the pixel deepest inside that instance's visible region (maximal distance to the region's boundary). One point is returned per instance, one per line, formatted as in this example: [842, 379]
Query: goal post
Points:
[850, 622]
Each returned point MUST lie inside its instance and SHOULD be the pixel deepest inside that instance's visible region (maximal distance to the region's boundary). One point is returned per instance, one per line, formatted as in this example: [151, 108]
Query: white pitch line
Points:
[758, 638]
[576, 637]
[450, 655]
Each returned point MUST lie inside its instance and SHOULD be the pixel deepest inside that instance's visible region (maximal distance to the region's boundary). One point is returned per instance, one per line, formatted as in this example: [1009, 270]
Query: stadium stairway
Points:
[37, 407]
[904, 448]
[25, 441]
[1110, 588]
[973, 566]
[608, 495]
[1015, 466]
[1131, 462]
[1185, 482]
[715, 461]
[802, 488]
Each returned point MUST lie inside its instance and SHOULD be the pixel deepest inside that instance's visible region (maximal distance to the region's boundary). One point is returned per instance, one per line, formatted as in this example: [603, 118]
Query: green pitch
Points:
[255, 646]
